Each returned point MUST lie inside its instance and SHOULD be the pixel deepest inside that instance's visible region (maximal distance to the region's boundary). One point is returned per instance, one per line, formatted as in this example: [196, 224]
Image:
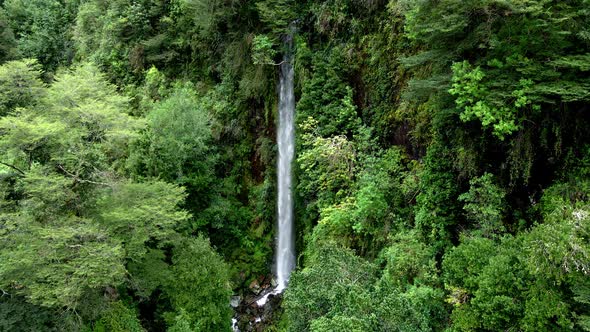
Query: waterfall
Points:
[285, 252]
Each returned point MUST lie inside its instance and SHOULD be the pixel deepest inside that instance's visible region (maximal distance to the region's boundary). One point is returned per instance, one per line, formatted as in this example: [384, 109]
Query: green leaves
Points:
[404, 108]
[55, 264]
[73, 223]
[179, 133]
[484, 205]
[263, 52]
[200, 289]
[119, 318]
[327, 98]
[339, 290]
[339, 323]
[7, 41]
[20, 85]
[18, 315]
[472, 100]
[42, 29]
[408, 262]
[123, 38]
[335, 282]
[328, 164]
[523, 281]
[138, 213]
[579, 62]
[436, 209]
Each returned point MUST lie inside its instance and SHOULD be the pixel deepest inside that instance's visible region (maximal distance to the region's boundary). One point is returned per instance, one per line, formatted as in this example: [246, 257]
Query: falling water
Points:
[286, 140]
[285, 252]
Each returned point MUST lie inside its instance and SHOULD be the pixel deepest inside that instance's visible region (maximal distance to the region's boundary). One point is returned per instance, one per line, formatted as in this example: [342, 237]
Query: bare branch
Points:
[278, 64]
[13, 167]
[77, 178]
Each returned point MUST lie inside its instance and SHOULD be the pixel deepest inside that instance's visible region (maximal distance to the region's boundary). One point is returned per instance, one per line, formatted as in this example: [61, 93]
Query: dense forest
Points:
[442, 164]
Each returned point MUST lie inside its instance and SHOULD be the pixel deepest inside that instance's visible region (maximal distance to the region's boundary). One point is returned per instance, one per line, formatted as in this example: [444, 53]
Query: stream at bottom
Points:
[259, 309]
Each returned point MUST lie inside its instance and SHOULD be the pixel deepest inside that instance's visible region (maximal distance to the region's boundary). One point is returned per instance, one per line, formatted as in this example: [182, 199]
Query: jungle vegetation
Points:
[442, 163]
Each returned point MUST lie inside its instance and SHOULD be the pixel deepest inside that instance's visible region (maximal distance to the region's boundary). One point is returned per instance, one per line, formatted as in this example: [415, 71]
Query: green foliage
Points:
[523, 282]
[59, 153]
[18, 315]
[335, 281]
[383, 77]
[408, 262]
[142, 213]
[62, 260]
[341, 17]
[20, 85]
[338, 290]
[560, 247]
[123, 38]
[214, 38]
[73, 222]
[436, 212]
[327, 164]
[484, 204]
[7, 41]
[79, 128]
[118, 318]
[338, 323]
[181, 323]
[277, 15]
[405, 109]
[420, 308]
[462, 264]
[179, 146]
[178, 137]
[205, 15]
[489, 297]
[149, 273]
[155, 87]
[200, 289]
[471, 95]
[42, 29]
[262, 50]
[327, 98]
[500, 78]
[362, 220]
[581, 290]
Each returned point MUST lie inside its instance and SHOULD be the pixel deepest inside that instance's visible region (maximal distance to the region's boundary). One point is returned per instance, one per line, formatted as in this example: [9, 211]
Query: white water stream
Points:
[285, 251]
[285, 254]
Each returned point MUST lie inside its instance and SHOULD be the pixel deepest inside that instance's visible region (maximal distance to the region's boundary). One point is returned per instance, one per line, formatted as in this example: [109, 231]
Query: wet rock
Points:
[255, 287]
[235, 301]
[252, 317]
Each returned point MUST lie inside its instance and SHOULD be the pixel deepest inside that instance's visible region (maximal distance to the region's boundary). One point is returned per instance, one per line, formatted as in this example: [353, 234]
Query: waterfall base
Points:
[257, 311]
[262, 301]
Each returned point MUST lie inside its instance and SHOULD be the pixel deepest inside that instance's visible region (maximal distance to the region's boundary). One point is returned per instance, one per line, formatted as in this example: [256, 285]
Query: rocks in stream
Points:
[249, 315]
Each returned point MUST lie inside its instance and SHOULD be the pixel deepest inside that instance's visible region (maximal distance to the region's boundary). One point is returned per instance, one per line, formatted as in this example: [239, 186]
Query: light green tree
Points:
[70, 221]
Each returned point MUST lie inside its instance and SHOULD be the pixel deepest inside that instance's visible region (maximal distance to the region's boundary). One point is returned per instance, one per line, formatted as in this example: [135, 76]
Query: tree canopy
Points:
[441, 170]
